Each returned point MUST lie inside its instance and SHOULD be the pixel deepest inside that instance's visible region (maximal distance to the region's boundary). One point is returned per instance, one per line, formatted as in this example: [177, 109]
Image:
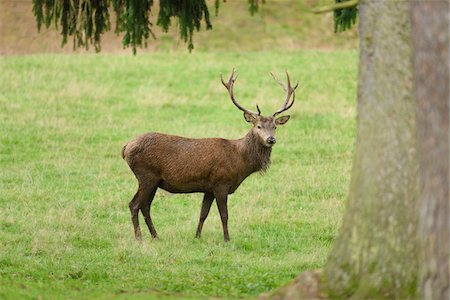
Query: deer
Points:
[212, 166]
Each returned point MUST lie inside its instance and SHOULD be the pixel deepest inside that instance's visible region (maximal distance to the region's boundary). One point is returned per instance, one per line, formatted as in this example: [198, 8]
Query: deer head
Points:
[264, 127]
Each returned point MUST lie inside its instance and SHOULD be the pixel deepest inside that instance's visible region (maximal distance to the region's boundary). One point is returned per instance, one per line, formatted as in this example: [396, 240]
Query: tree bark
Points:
[394, 239]
[376, 252]
[430, 33]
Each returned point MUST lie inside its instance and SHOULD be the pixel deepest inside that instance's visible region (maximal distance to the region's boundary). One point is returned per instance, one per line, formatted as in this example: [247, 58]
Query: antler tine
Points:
[259, 111]
[279, 82]
[290, 91]
[230, 80]
[229, 86]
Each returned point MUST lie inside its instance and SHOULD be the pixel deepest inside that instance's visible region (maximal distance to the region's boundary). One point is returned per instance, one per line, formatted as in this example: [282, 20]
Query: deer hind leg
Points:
[142, 195]
[208, 199]
[145, 209]
[134, 209]
[222, 199]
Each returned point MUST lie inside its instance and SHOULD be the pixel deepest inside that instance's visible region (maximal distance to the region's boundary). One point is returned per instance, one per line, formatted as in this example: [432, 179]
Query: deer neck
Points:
[256, 154]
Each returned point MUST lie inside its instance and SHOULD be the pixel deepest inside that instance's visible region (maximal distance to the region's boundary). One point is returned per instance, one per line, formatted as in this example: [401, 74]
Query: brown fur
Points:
[213, 166]
[123, 151]
[184, 165]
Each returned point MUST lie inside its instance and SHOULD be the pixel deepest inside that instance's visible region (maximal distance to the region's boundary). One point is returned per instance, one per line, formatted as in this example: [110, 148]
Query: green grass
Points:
[65, 230]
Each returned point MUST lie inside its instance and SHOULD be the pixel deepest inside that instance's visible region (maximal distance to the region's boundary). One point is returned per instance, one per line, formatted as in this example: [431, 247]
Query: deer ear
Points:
[249, 117]
[282, 120]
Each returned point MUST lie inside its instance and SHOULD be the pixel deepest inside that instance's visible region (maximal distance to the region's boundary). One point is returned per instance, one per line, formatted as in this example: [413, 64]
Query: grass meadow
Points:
[65, 229]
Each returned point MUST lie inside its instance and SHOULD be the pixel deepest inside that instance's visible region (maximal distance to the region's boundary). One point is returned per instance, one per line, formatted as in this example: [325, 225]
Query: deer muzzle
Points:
[271, 140]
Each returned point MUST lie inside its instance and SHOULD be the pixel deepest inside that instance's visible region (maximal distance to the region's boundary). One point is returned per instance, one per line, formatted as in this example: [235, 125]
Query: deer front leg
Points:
[223, 211]
[208, 199]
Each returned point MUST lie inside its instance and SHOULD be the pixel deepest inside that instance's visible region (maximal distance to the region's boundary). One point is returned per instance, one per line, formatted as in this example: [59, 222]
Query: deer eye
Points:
[259, 126]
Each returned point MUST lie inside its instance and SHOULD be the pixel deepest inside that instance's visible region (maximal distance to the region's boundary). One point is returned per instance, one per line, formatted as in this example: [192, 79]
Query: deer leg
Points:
[206, 205]
[145, 209]
[134, 209]
[135, 205]
[223, 210]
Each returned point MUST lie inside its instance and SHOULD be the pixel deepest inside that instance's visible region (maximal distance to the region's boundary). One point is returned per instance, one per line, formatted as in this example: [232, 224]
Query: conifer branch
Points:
[341, 5]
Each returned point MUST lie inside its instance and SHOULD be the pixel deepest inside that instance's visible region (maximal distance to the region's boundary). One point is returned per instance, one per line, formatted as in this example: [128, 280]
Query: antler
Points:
[289, 92]
[229, 87]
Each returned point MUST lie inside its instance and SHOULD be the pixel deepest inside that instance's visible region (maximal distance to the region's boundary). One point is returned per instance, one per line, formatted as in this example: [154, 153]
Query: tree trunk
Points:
[430, 33]
[394, 239]
[376, 252]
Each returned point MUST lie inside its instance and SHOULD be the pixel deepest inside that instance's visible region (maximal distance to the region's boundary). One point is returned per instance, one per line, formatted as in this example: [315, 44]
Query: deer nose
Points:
[271, 140]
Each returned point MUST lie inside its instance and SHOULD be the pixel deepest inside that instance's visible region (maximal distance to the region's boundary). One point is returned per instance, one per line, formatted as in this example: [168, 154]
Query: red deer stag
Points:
[213, 166]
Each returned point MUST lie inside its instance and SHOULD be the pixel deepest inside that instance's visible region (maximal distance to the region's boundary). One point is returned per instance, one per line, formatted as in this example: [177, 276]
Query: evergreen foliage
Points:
[344, 18]
[189, 15]
[132, 17]
[85, 21]
[254, 6]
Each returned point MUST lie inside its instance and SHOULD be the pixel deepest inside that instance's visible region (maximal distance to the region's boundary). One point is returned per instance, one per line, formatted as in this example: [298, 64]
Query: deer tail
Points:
[123, 150]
